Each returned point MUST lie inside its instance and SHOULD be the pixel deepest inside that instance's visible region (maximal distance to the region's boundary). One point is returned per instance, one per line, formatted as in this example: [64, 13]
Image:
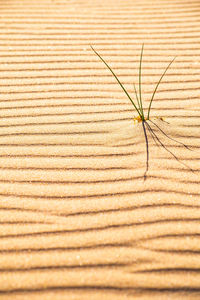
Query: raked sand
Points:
[77, 218]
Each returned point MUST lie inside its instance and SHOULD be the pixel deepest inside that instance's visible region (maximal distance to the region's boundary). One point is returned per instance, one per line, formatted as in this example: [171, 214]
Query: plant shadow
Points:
[158, 142]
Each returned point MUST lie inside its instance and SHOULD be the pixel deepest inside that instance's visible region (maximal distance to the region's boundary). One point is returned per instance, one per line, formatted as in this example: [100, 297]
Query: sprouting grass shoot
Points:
[138, 106]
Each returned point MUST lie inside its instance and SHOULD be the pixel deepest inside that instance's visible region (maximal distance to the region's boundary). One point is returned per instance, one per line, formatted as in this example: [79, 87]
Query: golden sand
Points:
[77, 218]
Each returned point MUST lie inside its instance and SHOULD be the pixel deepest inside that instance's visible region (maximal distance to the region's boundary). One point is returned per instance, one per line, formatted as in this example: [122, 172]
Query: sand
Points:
[77, 218]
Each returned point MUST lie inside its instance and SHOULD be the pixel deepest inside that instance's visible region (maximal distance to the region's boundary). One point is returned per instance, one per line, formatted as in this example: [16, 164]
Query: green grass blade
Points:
[117, 81]
[157, 87]
[136, 95]
[140, 83]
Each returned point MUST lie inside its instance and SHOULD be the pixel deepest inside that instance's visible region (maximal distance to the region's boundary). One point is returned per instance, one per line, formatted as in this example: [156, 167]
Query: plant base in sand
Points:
[138, 105]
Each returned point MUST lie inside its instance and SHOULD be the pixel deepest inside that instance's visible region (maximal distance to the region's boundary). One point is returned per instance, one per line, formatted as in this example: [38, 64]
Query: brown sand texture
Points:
[77, 218]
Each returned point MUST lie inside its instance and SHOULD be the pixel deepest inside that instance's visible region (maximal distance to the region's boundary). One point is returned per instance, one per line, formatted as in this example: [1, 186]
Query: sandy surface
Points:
[77, 219]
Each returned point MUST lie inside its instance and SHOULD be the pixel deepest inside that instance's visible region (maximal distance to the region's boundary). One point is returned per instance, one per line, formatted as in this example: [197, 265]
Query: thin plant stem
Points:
[149, 109]
[140, 83]
[137, 97]
[118, 81]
